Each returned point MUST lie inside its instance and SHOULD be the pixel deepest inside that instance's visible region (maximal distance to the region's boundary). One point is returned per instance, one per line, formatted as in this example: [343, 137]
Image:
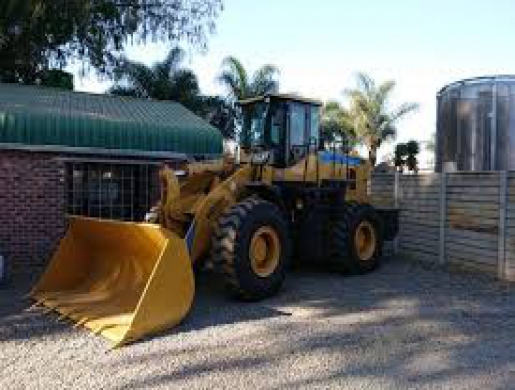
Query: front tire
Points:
[251, 249]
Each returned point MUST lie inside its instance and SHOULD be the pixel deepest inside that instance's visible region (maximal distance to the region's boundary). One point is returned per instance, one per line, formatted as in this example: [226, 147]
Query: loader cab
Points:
[279, 129]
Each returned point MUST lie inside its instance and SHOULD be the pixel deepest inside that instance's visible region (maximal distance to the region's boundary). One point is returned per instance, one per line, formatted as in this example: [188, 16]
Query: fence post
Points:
[501, 243]
[396, 189]
[443, 216]
[396, 205]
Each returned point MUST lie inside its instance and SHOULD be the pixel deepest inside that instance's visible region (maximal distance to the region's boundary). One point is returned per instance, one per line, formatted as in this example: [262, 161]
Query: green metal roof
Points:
[53, 118]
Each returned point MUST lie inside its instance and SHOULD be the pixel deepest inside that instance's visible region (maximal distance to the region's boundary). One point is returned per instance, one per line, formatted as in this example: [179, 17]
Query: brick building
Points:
[67, 153]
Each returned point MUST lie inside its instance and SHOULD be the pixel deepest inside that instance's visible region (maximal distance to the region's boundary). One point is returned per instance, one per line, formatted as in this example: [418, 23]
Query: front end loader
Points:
[286, 200]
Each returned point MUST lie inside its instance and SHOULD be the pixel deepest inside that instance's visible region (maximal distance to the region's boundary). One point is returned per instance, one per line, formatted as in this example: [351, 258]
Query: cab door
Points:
[298, 142]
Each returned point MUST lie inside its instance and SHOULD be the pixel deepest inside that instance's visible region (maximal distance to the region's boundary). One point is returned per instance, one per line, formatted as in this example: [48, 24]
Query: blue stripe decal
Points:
[190, 235]
[328, 157]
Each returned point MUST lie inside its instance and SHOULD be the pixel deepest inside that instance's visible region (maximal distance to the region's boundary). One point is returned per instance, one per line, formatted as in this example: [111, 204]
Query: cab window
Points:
[314, 129]
[298, 125]
[254, 125]
[277, 125]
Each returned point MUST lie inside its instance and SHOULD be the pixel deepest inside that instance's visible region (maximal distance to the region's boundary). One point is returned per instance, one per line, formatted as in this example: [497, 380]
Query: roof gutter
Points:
[98, 151]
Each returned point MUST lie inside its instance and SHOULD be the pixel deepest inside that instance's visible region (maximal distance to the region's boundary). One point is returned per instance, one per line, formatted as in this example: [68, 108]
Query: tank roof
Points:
[478, 80]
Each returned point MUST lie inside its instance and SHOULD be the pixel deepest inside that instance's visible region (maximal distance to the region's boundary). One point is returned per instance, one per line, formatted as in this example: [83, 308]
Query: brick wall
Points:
[32, 207]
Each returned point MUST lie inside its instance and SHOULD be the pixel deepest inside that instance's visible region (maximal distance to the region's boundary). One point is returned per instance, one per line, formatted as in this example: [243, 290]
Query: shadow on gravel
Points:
[212, 307]
[16, 323]
[414, 326]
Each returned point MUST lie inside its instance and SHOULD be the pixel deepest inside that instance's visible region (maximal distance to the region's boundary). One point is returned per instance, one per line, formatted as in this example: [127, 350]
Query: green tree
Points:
[406, 155]
[336, 125]
[169, 80]
[242, 85]
[165, 80]
[374, 121]
[57, 79]
[412, 150]
[220, 113]
[36, 35]
[400, 155]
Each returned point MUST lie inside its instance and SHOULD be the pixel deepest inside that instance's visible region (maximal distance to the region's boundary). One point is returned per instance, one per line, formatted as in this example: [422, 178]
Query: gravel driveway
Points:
[401, 327]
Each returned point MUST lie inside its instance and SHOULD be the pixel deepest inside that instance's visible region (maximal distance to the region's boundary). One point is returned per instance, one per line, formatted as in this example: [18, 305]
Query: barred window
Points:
[110, 190]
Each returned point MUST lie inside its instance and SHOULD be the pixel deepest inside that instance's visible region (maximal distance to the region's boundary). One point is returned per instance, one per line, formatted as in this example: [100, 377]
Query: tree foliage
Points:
[57, 79]
[221, 114]
[406, 156]
[36, 35]
[399, 158]
[336, 125]
[412, 149]
[373, 120]
[170, 80]
[165, 80]
[242, 85]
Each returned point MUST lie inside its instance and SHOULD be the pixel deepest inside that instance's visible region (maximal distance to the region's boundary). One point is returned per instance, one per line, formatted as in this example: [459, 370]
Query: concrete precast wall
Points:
[465, 219]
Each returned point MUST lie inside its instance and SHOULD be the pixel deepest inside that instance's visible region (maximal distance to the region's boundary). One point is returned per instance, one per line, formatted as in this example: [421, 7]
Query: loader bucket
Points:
[122, 280]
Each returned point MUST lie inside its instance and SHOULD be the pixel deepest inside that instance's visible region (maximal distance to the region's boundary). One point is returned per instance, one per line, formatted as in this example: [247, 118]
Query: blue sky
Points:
[319, 45]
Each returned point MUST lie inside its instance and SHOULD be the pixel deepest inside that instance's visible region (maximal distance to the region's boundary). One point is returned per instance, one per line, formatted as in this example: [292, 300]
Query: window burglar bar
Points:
[108, 190]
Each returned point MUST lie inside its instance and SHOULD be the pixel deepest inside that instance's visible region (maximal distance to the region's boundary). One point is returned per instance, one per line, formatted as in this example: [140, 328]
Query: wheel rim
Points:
[264, 251]
[365, 241]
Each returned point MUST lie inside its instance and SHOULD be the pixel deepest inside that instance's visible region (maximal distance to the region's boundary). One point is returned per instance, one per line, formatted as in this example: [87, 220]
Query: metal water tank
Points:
[476, 125]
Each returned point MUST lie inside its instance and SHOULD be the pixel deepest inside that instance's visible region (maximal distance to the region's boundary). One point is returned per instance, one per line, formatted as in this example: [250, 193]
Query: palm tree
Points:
[336, 125]
[241, 85]
[374, 122]
[166, 80]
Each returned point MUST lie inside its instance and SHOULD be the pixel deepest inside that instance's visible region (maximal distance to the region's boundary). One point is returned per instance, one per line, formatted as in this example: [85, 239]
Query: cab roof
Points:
[280, 96]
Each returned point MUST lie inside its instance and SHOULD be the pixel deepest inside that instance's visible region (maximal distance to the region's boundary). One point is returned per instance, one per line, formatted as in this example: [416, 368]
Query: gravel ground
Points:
[401, 327]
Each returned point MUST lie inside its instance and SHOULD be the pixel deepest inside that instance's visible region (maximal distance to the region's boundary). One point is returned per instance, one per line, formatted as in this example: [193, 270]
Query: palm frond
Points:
[264, 80]
[184, 85]
[262, 87]
[384, 91]
[231, 83]
[234, 77]
[331, 106]
[404, 109]
[366, 84]
[137, 75]
[174, 59]
[164, 80]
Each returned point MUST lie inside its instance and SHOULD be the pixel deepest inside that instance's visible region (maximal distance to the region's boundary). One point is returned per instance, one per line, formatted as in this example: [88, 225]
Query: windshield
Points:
[254, 124]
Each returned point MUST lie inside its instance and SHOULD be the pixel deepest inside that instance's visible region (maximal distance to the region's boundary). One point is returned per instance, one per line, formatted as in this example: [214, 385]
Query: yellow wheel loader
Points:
[285, 200]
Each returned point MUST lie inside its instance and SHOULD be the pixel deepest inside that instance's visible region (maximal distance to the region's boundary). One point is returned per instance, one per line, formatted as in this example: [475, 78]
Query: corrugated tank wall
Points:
[476, 125]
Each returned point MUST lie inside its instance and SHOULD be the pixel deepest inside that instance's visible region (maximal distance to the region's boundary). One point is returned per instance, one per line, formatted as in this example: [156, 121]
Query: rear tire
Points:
[356, 241]
[251, 249]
